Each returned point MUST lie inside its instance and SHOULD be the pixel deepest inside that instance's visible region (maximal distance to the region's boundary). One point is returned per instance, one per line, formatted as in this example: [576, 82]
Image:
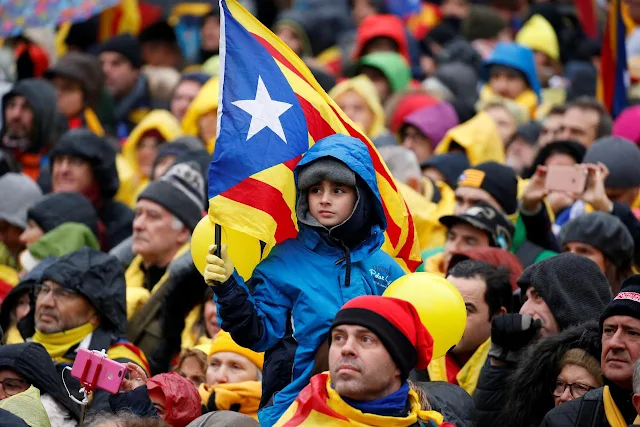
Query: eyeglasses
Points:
[11, 386]
[58, 292]
[576, 390]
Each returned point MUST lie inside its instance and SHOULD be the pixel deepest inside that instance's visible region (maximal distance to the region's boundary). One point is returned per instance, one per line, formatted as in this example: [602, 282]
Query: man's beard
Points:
[16, 138]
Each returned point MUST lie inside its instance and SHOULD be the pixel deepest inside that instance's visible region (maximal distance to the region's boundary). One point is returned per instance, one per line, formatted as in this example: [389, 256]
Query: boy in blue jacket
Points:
[298, 289]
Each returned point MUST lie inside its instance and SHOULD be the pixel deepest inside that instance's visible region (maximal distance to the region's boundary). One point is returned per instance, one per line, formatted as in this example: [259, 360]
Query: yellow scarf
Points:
[468, 376]
[247, 394]
[613, 414]
[58, 344]
[320, 405]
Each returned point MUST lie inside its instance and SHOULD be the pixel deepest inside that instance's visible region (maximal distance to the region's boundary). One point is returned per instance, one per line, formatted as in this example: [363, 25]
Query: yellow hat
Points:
[537, 34]
[224, 342]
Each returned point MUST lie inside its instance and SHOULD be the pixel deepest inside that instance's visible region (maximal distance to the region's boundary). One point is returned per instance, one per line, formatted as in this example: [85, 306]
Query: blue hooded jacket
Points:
[298, 289]
[518, 57]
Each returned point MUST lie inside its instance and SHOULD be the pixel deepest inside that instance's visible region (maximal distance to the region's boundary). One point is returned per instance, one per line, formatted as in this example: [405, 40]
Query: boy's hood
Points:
[518, 57]
[366, 89]
[352, 152]
[161, 121]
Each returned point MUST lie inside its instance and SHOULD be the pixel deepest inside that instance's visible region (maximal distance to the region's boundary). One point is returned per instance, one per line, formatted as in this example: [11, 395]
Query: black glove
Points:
[510, 333]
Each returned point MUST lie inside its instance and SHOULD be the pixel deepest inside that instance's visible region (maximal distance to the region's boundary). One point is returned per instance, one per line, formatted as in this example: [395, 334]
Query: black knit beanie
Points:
[627, 302]
[127, 46]
[181, 192]
[572, 286]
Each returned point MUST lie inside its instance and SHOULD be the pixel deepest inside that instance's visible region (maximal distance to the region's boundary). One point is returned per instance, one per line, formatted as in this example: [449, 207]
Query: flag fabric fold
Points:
[271, 111]
[614, 77]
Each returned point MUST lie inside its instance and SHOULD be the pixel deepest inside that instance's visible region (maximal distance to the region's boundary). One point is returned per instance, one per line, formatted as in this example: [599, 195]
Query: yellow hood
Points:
[479, 137]
[132, 181]
[425, 217]
[205, 102]
[537, 34]
[159, 120]
[366, 89]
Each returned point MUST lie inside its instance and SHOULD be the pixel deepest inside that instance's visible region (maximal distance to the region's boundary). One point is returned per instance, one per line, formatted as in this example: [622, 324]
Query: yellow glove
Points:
[217, 270]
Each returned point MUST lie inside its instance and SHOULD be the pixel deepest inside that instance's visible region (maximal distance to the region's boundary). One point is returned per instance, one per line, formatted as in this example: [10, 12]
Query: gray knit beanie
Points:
[621, 156]
[572, 286]
[327, 168]
[604, 232]
[181, 191]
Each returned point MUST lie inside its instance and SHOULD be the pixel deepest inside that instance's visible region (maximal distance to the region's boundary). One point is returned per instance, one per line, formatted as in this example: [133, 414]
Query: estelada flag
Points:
[271, 110]
[614, 78]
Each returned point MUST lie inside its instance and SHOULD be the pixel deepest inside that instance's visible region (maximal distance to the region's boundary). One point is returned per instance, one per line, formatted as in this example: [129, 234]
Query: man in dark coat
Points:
[84, 162]
[620, 327]
[29, 123]
[80, 303]
[556, 298]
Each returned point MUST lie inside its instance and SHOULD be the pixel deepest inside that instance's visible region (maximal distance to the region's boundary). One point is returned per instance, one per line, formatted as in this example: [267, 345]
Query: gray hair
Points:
[636, 377]
[402, 162]
[176, 224]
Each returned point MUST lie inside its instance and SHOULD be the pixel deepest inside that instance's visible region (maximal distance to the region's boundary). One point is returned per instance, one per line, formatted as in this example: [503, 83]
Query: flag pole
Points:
[218, 239]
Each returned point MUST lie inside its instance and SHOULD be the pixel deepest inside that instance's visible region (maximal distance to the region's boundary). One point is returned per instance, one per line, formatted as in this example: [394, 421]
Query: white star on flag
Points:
[264, 112]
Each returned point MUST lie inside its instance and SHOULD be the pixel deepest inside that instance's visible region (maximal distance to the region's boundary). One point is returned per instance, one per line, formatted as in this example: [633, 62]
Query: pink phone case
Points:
[92, 368]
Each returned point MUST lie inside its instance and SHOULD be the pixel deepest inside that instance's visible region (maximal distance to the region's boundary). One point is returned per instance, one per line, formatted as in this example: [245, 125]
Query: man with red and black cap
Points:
[374, 342]
[612, 404]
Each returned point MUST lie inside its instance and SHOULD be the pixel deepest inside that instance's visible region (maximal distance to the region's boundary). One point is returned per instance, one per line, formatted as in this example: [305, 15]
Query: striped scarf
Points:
[318, 404]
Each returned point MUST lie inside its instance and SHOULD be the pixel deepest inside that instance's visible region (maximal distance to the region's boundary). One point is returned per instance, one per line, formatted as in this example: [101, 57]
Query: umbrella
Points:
[15, 15]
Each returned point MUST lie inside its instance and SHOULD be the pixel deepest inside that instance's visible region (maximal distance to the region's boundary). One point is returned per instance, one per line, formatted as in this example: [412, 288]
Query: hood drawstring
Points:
[346, 257]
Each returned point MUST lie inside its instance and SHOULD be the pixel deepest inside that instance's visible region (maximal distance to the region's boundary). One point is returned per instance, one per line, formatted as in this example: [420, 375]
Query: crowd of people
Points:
[105, 147]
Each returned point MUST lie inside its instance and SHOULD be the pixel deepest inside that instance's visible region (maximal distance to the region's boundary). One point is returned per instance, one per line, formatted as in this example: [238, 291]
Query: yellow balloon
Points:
[244, 250]
[439, 304]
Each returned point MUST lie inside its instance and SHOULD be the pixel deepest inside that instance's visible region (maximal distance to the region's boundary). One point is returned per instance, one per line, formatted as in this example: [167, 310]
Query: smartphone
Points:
[571, 179]
[97, 370]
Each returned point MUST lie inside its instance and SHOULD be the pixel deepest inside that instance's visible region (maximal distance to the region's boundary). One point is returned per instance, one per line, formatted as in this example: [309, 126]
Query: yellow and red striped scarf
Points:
[318, 404]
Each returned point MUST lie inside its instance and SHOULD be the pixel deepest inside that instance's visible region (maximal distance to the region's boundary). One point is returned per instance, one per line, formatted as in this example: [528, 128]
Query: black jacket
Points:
[491, 394]
[588, 411]
[451, 401]
[7, 419]
[529, 395]
[32, 361]
[101, 155]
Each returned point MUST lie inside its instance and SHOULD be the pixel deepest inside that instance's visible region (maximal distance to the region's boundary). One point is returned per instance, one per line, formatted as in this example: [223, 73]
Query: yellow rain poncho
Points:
[478, 137]
[205, 102]
[132, 179]
[366, 89]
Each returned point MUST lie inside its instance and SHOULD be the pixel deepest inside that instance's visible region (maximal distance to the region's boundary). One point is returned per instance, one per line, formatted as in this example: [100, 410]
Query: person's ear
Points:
[503, 310]
[414, 183]
[184, 235]
[95, 319]
[636, 402]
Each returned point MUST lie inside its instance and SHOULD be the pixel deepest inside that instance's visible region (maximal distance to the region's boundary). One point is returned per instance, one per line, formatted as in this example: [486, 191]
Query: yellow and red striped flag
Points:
[251, 184]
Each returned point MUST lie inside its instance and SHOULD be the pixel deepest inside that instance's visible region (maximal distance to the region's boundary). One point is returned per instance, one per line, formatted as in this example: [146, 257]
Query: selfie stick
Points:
[87, 386]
